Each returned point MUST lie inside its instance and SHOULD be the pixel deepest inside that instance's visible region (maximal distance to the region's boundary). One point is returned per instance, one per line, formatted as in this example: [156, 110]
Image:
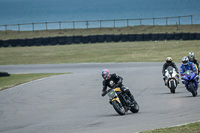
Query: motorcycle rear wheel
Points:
[135, 108]
[118, 107]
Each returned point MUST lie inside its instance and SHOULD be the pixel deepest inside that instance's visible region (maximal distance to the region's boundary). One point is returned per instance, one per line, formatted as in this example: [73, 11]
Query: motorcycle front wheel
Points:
[192, 89]
[173, 87]
[118, 107]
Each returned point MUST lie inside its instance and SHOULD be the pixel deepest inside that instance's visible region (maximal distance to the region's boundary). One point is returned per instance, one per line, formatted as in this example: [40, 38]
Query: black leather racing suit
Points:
[195, 61]
[169, 64]
[113, 82]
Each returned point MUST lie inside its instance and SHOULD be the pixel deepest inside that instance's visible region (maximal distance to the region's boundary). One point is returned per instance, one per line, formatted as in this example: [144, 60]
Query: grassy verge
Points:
[97, 31]
[16, 79]
[190, 128]
[100, 52]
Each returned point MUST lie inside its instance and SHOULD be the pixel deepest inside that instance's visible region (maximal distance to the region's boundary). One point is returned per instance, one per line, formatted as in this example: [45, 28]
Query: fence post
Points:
[87, 24]
[73, 25]
[166, 20]
[191, 20]
[18, 27]
[46, 26]
[179, 20]
[127, 23]
[6, 28]
[33, 26]
[100, 24]
[140, 21]
[60, 25]
[114, 23]
[153, 21]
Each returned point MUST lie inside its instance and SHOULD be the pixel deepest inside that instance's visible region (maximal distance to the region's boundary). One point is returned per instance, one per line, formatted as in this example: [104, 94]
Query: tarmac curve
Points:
[72, 103]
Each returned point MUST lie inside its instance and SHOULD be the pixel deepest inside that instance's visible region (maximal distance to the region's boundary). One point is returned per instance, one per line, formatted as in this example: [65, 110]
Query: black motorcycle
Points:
[121, 102]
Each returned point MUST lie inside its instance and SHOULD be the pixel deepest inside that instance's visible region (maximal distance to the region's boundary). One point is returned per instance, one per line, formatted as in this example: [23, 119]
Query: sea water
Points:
[36, 11]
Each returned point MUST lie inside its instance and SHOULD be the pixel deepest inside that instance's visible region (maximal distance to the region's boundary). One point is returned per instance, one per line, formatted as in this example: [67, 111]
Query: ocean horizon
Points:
[36, 11]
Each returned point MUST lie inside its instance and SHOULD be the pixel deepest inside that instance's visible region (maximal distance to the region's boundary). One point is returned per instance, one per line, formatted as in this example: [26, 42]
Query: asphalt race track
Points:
[72, 103]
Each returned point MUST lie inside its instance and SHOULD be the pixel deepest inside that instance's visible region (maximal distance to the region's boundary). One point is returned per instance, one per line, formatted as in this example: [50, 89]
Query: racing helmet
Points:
[169, 60]
[185, 60]
[191, 56]
[105, 74]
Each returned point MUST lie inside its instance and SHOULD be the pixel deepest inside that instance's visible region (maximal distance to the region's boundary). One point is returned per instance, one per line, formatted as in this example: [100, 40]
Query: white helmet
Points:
[185, 60]
[191, 55]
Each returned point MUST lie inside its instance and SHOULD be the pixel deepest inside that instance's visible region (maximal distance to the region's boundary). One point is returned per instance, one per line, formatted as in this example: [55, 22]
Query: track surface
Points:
[72, 103]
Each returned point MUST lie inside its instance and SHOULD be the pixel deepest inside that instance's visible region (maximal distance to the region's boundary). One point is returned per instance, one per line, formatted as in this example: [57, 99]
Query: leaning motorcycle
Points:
[171, 78]
[190, 81]
[121, 102]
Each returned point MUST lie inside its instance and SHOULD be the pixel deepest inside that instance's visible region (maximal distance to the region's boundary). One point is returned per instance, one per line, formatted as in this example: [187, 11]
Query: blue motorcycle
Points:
[190, 82]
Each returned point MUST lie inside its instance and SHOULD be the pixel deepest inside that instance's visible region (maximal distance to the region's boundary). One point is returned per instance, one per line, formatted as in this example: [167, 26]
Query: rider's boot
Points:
[110, 101]
[131, 97]
[164, 81]
[177, 78]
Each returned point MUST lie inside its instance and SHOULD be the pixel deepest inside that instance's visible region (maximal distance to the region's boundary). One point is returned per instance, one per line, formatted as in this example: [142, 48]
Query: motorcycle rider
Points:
[167, 64]
[113, 81]
[187, 66]
[193, 60]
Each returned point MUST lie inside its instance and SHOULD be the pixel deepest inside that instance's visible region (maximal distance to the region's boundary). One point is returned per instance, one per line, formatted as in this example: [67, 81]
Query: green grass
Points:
[148, 51]
[190, 128]
[16, 79]
[96, 31]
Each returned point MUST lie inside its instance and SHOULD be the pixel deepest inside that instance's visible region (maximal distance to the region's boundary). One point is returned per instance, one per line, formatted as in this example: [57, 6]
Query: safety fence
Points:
[177, 20]
[67, 40]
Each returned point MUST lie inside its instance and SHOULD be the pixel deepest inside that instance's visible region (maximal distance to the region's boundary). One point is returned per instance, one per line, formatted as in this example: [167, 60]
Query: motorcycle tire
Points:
[192, 89]
[135, 108]
[173, 87]
[118, 107]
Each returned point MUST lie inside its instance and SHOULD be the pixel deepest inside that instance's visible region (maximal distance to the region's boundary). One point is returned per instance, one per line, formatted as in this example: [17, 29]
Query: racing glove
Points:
[103, 93]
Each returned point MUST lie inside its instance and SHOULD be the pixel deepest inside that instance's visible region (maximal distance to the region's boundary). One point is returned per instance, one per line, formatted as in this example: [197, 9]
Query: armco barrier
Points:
[139, 37]
[53, 40]
[147, 37]
[162, 36]
[1, 43]
[132, 37]
[116, 38]
[177, 36]
[45, 41]
[98, 38]
[124, 38]
[85, 39]
[154, 37]
[14, 42]
[6, 43]
[198, 36]
[109, 38]
[22, 42]
[170, 36]
[185, 36]
[61, 40]
[38, 41]
[29, 42]
[93, 39]
[69, 40]
[192, 36]
[77, 39]
[101, 38]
